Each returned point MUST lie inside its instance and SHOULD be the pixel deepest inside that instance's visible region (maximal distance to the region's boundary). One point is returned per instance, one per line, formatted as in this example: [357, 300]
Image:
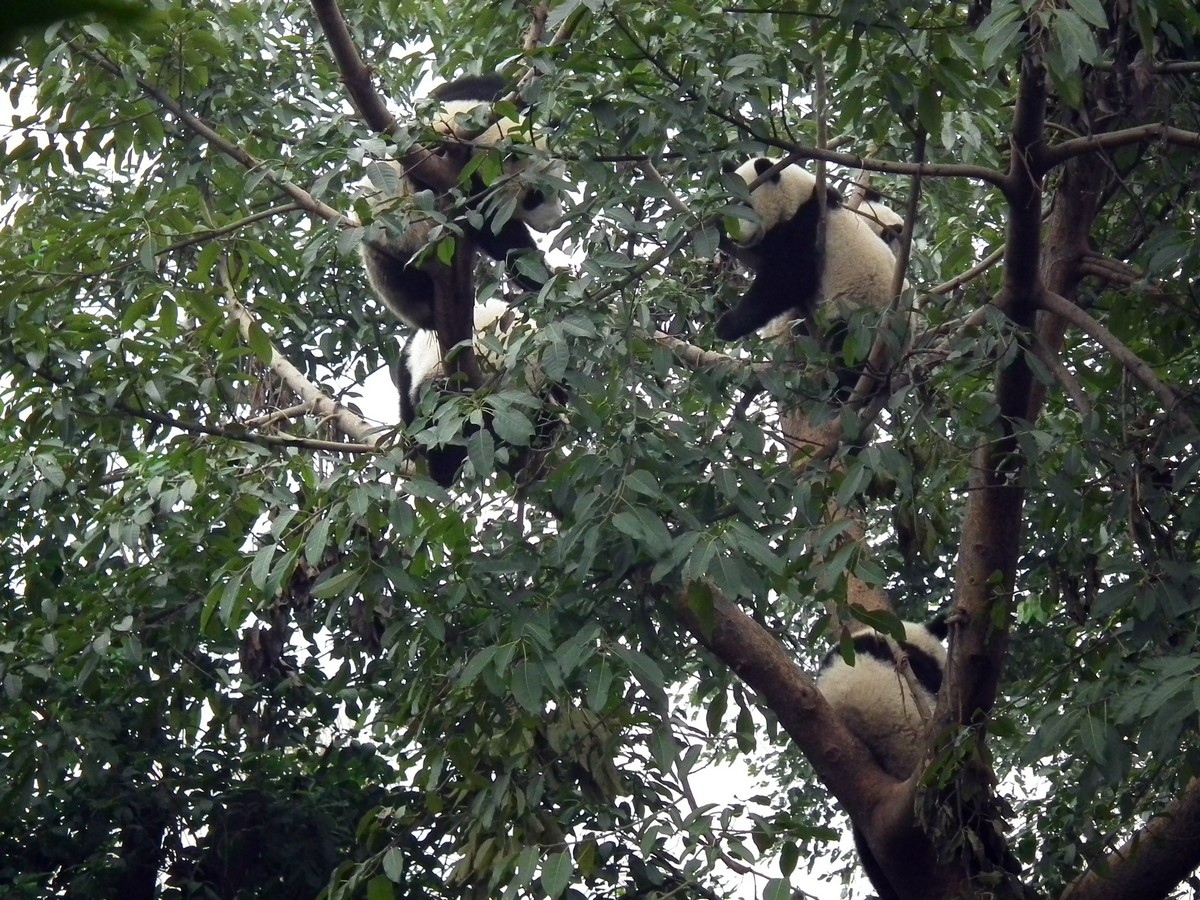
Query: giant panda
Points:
[389, 256]
[875, 703]
[496, 326]
[793, 278]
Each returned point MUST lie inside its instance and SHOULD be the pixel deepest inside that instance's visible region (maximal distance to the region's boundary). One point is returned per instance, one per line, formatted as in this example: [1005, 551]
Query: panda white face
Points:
[774, 201]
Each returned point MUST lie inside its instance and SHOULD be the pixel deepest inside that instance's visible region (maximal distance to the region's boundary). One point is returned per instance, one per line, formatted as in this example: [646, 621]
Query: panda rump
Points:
[874, 700]
[875, 703]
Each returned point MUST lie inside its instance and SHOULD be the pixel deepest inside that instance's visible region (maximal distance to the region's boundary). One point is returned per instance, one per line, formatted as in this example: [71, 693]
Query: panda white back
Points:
[873, 699]
[858, 264]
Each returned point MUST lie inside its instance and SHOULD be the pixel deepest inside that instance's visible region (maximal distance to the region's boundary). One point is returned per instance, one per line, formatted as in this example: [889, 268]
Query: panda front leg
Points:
[769, 297]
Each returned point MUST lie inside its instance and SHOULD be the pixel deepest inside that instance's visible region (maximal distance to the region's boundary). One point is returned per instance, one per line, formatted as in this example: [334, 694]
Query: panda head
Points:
[775, 201]
[528, 175]
[884, 221]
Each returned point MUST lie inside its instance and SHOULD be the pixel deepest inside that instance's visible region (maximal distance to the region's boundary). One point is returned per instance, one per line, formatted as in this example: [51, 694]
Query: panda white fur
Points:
[388, 254]
[873, 699]
[495, 327]
[792, 277]
[874, 702]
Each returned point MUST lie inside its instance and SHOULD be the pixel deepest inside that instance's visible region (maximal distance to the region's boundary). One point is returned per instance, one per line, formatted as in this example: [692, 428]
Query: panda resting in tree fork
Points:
[406, 286]
[874, 702]
[793, 277]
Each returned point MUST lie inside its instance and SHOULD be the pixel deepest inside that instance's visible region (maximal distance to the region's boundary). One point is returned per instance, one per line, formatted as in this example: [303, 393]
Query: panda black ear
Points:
[762, 164]
[832, 197]
[728, 166]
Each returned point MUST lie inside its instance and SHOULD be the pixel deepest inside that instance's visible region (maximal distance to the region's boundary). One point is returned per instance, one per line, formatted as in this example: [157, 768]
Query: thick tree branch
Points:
[841, 761]
[1152, 863]
[440, 173]
[349, 424]
[1156, 131]
[1111, 270]
[355, 74]
[1048, 358]
[881, 805]
[991, 535]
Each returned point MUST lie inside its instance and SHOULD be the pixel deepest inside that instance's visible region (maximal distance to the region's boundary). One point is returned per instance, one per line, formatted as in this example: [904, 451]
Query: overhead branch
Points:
[440, 173]
[1151, 864]
[301, 197]
[355, 74]
[1155, 131]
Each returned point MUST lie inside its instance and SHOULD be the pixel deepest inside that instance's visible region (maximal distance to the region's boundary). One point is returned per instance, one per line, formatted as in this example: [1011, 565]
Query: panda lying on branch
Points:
[394, 256]
[794, 277]
[876, 704]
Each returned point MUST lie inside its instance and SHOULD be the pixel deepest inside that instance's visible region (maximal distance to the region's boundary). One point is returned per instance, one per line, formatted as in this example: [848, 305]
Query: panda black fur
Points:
[792, 276]
[387, 255]
[495, 327]
[874, 702]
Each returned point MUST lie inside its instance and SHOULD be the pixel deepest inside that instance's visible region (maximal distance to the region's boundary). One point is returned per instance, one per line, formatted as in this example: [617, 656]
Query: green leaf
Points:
[393, 864]
[526, 685]
[475, 665]
[1092, 11]
[556, 873]
[337, 585]
[260, 344]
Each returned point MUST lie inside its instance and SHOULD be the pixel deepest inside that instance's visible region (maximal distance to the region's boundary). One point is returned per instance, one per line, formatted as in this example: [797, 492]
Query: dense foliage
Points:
[240, 661]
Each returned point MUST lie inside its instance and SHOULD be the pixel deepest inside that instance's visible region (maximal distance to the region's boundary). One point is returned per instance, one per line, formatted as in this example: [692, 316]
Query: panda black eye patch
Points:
[533, 199]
